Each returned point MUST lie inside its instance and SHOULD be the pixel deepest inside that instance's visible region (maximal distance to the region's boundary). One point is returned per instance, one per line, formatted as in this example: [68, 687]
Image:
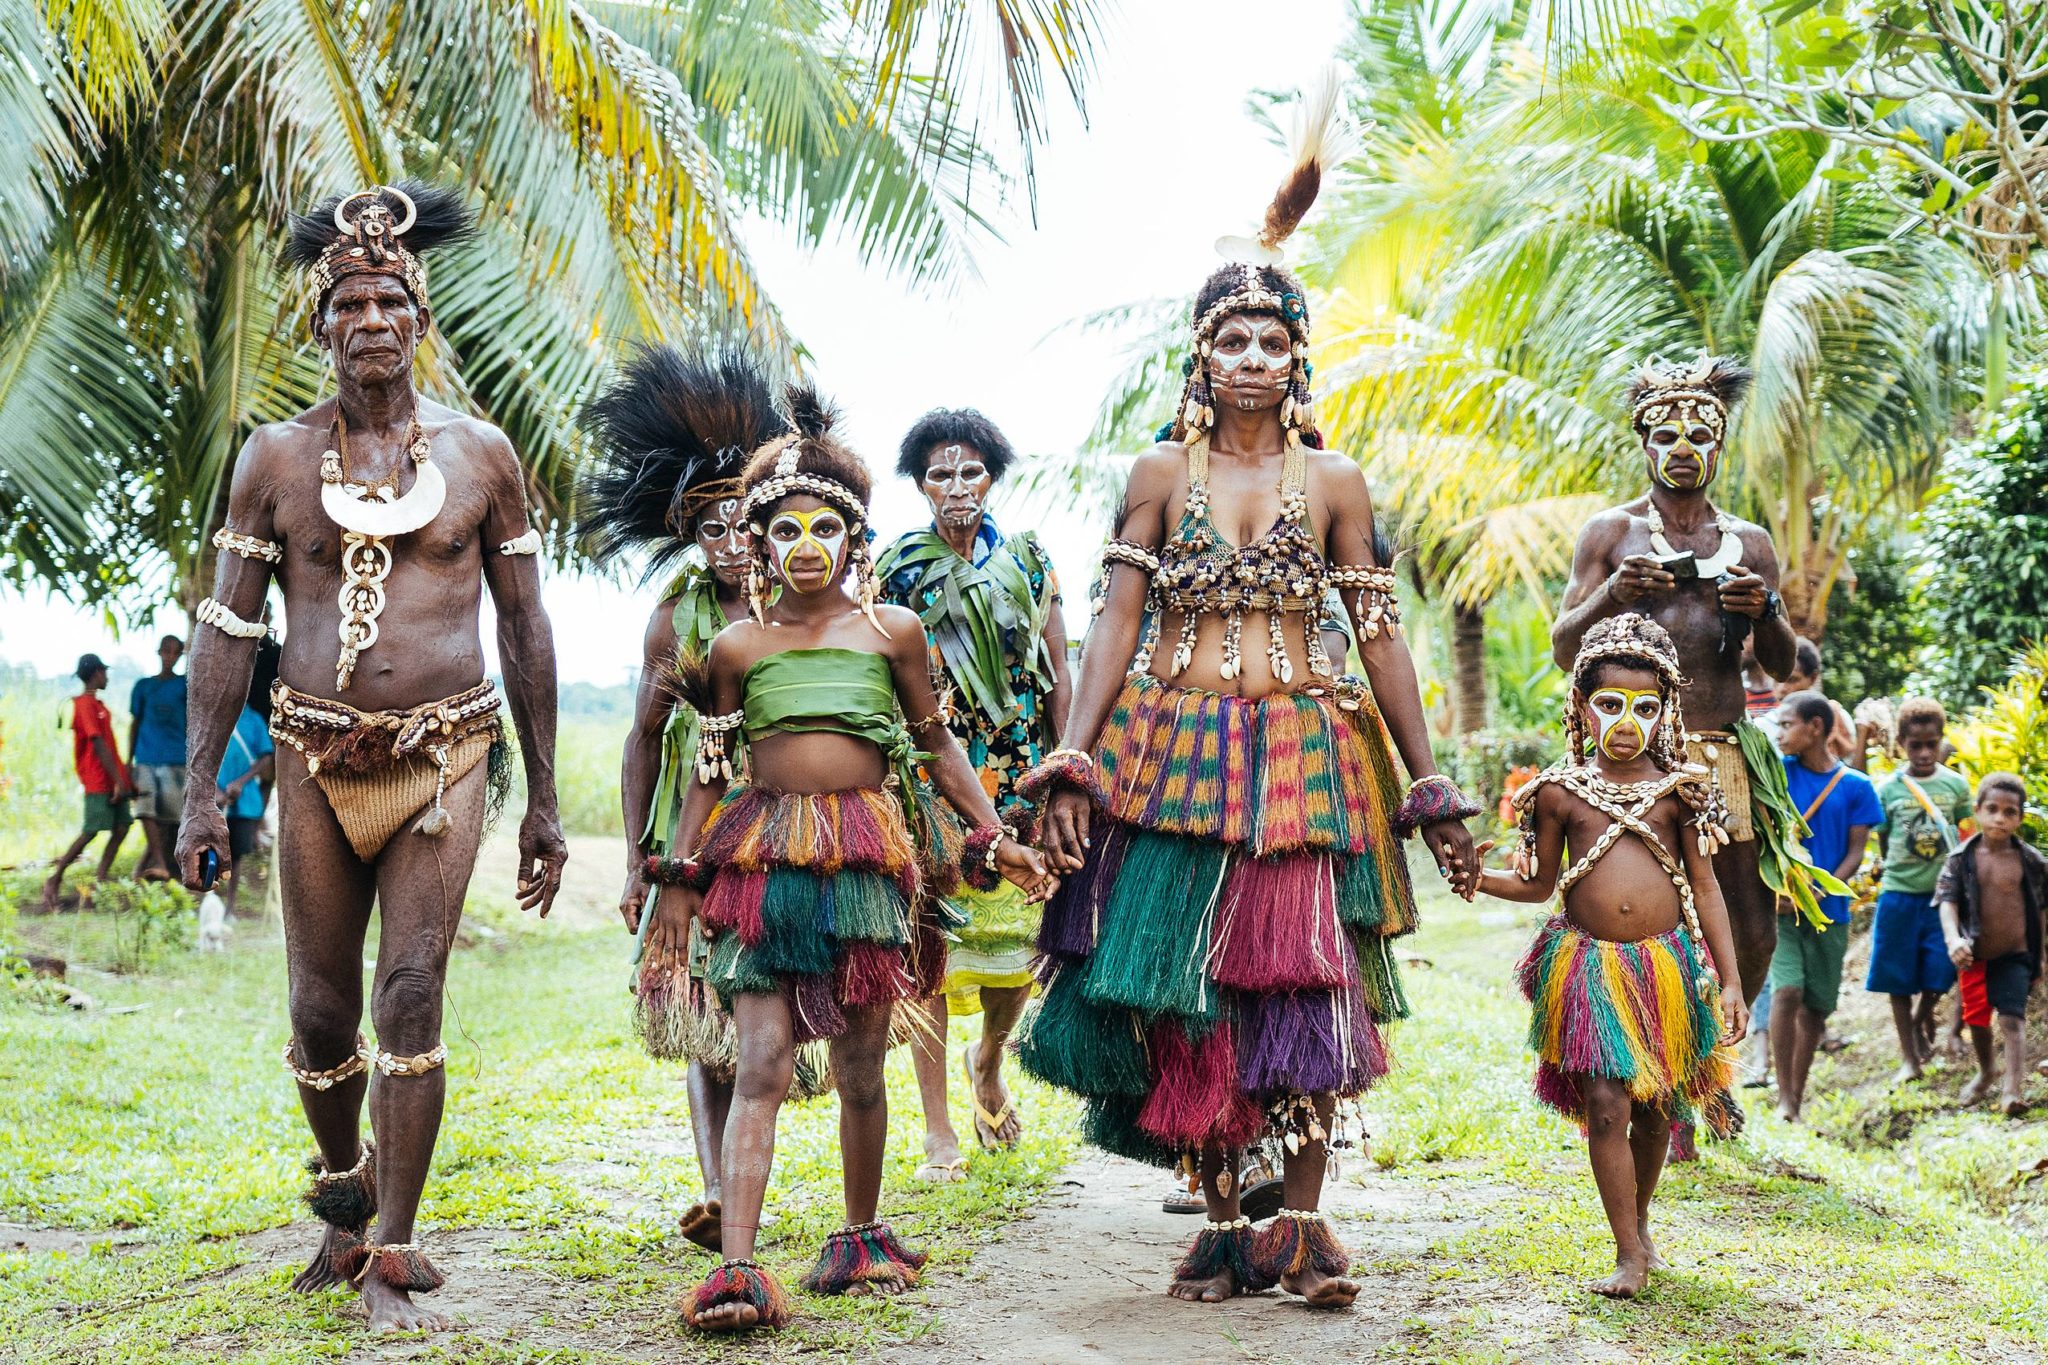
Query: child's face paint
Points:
[807, 546]
[1626, 719]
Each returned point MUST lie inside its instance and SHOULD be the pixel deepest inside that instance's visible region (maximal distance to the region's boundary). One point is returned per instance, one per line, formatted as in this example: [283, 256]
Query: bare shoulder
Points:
[1605, 530]
[901, 622]
[1755, 539]
[1336, 473]
[1160, 469]
[736, 647]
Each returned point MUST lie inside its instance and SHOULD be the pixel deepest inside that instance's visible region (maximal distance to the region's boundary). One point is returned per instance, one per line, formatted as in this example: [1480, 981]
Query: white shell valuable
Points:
[387, 516]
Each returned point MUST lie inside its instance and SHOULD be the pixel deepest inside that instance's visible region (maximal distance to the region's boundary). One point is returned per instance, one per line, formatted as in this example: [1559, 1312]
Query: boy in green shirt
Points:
[1923, 805]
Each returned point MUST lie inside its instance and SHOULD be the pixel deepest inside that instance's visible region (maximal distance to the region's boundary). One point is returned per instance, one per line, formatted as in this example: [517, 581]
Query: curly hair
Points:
[947, 426]
[2009, 783]
[1920, 711]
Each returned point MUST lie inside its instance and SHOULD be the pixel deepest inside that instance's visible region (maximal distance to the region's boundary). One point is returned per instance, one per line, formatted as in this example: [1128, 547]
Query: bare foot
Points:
[1321, 1291]
[1787, 1113]
[1626, 1282]
[51, 889]
[737, 1316]
[392, 1310]
[992, 1100]
[1681, 1146]
[1650, 1256]
[1215, 1289]
[704, 1225]
[320, 1272]
[1907, 1073]
[1975, 1091]
[2015, 1106]
[877, 1289]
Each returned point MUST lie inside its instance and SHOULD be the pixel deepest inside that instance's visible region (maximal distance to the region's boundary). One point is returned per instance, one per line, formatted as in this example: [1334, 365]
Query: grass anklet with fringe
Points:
[739, 1281]
[866, 1253]
[1225, 1246]
[344, 1199]
[1298, 1240]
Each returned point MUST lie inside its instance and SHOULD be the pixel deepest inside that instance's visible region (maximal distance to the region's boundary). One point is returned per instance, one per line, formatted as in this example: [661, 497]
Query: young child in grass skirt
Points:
[672, 436]
[818, 878]
[1219, 964]
[1632, 1026]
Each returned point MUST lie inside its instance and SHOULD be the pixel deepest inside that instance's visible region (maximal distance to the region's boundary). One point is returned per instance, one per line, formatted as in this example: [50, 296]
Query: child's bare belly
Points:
[1625, 896]
[816, 762]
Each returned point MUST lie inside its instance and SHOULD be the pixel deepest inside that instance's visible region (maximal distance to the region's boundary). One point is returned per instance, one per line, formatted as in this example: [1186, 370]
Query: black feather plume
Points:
[441, 217]
[671, 423]
[811, 412]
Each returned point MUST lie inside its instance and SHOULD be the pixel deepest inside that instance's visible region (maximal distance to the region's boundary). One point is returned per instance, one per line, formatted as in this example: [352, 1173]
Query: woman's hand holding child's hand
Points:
[1025, 866]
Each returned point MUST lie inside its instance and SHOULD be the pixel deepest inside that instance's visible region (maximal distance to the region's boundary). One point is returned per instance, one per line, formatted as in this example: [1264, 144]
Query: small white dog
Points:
[213, 923]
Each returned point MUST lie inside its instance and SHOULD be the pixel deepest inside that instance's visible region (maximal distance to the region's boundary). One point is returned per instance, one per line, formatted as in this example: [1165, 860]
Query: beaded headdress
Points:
[1704, 389]
[1323, 137]
[385, 230]
[1636, 638]
[673, 436]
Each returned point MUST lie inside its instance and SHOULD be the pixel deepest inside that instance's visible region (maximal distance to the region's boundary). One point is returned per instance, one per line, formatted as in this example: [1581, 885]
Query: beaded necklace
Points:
[369, 514]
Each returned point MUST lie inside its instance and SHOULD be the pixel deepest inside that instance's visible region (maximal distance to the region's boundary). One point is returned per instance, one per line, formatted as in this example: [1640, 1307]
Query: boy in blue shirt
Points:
[247, 766]
[1840, 806]
[156, 754]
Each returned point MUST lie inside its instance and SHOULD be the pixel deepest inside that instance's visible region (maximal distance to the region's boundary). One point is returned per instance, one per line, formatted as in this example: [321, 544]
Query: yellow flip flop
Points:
[986, 1125]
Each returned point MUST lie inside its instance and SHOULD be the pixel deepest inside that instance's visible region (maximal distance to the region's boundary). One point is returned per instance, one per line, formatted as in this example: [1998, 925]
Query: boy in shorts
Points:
[1840, 807]
[1923, 804]
[1992, 893]
[100, 773]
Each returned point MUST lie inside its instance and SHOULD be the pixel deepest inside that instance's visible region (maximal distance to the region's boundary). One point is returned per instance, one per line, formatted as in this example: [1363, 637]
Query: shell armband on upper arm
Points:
[1131, 553]
[1382, 610]
[223, 619]
[527, 544]
[248, 547]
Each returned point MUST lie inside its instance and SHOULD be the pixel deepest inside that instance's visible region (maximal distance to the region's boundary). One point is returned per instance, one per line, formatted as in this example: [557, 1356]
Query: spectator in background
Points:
[98, 763]
[247, 767]
[156, 749]
[1805, 677]
[1759, 694]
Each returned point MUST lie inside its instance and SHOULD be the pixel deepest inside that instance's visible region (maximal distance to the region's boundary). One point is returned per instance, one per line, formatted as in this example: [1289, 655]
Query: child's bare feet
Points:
[51, 889]
[1215, 1289]
[2013, 1102]
[1320, 1290]
[1650, 1256]
[1627, 1281]
[704, 1225]
[1787, 1113]
[1975, 1091]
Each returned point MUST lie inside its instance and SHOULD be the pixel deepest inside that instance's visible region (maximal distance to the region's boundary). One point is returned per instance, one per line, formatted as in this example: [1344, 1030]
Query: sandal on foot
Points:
[942, 1172]
[987, 1126]
[740, 1281]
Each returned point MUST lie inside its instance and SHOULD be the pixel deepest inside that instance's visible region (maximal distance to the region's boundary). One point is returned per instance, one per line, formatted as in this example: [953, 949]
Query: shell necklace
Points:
[1726, 557]
[368, 514]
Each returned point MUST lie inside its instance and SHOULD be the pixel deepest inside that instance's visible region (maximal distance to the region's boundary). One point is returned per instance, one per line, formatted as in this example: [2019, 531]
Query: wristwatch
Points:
[1774, 607]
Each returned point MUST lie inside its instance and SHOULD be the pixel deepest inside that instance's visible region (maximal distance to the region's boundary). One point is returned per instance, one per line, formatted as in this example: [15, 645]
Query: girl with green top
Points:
[818, 876]
[672, 438]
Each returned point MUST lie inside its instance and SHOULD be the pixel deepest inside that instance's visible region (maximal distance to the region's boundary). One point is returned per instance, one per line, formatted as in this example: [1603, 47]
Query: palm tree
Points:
[151, 152]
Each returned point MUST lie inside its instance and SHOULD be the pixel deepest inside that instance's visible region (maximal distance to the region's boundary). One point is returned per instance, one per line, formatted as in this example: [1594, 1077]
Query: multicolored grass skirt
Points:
[995, 947]
[1228, 944]
[822, 897]
[1644, 1012]
[680, 1019]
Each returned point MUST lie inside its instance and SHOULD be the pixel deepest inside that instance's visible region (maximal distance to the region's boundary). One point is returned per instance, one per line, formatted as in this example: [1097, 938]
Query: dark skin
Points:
[1249, 363]
[721, 534]
[957, 482]
[2001, 929]
[1913, 1016]
[92, 685]
[429, 648]
[1624, 897]
[1797, 1028]
[1614, 570]
[157, 835]
[815, 611]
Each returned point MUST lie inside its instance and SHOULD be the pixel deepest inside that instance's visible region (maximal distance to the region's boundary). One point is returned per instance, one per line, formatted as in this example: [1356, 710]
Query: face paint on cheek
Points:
[1618, 710]
[823, 531]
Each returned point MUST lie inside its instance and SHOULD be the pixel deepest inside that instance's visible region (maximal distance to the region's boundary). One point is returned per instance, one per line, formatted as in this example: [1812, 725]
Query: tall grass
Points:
[39, 799]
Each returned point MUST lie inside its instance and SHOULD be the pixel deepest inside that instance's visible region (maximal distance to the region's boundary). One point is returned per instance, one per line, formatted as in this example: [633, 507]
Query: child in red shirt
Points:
[101, 774]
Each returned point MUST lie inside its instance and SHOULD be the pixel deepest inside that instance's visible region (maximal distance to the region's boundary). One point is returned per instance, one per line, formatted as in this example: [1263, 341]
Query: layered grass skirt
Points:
[827, 899]
[1645, 1013]
[1227, 946]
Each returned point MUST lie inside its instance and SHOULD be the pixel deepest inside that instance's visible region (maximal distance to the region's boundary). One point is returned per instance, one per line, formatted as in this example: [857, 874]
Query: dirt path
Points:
[1085, 1280]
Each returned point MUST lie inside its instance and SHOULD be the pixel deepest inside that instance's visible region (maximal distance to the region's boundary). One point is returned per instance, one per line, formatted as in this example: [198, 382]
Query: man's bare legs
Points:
[1001, 1007]
[1223, 1208]
[710, 1104]
[1796, 1031]
[1912, 1056]
[943, 1162]
[767, 1062]
[1753, 924]
[1608, 1113]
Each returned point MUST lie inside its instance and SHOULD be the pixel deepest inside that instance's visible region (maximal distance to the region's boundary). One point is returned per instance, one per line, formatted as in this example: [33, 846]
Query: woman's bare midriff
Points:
[1255, 678]
[819, 762]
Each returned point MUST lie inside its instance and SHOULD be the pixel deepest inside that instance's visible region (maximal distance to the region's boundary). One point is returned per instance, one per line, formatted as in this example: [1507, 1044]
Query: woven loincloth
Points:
[1719, 753]
[379, 769]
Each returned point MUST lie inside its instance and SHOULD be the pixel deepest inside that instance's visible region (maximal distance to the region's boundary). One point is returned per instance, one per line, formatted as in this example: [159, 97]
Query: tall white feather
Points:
[1322, 132]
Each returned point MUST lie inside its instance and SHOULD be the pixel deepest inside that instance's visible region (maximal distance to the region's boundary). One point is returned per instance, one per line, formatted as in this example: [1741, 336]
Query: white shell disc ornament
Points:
[387, 516]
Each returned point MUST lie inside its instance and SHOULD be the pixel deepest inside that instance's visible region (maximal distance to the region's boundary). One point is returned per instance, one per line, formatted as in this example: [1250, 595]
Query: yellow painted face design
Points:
[1624, 710]
[823, 530]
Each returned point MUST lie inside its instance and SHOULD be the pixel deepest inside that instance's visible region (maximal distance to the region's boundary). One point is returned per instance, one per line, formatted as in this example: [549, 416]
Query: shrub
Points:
[2008, 732]
[148, 921]
[1483, 763]
[1875, 633]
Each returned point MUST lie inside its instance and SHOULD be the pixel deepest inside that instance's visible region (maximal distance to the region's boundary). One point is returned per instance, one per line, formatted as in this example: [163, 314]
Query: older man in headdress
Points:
[382, 516]
[1711, 580]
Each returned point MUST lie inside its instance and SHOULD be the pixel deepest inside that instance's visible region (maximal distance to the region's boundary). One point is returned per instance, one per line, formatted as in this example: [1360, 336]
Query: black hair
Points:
[1920, 711]
[441, 216]
[1810, 706]
[944, 426]
[821, 453]
[89, 664]
[1806, 657]
[1228, 279]
[2009, 783]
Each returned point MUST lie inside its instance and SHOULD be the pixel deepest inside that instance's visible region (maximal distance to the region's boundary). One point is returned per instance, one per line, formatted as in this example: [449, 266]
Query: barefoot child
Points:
[1630, 1024]
[1992, 895]
[807, 875]
[1923, 803]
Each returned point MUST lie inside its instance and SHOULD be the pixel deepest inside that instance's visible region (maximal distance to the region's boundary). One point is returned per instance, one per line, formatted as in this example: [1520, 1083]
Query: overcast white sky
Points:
[1128, 208]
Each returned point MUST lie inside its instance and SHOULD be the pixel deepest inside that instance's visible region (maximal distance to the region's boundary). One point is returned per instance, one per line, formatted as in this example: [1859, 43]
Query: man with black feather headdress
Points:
[673, 436]
[383, 516]
[1711, 580]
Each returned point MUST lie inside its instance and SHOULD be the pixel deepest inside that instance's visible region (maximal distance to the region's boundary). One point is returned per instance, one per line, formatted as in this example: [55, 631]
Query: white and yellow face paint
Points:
[823, 530]
[1621, 710]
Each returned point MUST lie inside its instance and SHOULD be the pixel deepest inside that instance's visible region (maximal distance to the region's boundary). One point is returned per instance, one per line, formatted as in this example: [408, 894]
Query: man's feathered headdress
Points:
[1707, 387]
[673, 436]
[385, 230]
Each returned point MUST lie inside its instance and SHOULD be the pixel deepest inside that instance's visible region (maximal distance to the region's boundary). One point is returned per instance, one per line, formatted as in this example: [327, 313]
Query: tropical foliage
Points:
[2007, 731]
[1986, 551]
[150, 153]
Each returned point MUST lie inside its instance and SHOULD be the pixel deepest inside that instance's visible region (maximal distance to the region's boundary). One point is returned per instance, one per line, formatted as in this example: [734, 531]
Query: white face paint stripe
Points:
[786, 547]
[1643, 721]
[1255, 350]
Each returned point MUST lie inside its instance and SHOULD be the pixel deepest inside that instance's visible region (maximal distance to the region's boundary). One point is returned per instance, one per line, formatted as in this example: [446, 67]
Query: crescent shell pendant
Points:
[420, 505]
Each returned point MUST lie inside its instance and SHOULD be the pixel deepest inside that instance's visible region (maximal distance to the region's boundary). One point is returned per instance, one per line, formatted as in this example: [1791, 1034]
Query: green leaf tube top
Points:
[832, 691]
